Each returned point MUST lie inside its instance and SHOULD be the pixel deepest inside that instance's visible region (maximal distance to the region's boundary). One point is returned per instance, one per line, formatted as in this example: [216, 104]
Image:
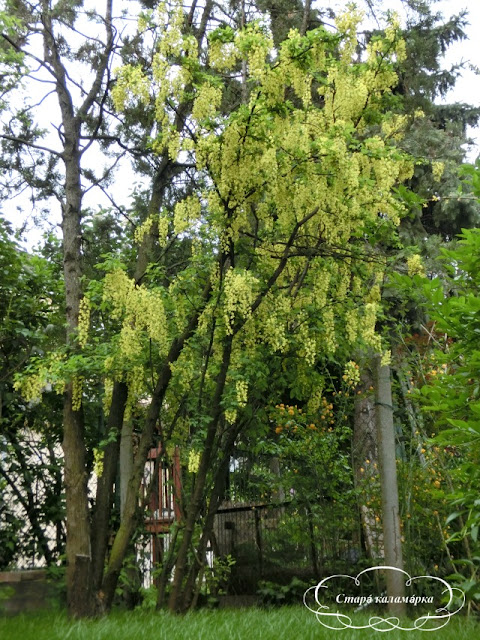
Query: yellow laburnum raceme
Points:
[136, 389]
[186, 212]
[223, 55]
[242, 392]
[144, 229]
[239, 289]
[351, 373]
[130, 84]
[193, 461]
[206, 102]
[48, 375]
[369, 320]
[107, 395]
[142, 313]
[415, 265]
[83, 321]
[98, 457]
[77, 392]
[438, 169]
[352, 326]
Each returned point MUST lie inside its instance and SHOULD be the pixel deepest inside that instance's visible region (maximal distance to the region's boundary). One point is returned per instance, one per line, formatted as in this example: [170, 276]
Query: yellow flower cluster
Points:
[273, 330]
[141, 309]
[135, 383]
[170, 81]
[241, 387]
[307, 342]
[230, 416]
[83, 321]
[32, 385]
[207, 101]
[130, 83]
[394, 126]
[239, 294]
[162, 229]
[107, 395]
[193, 461]
[143, 229]
[98, 456]
[347, 23]
[415, 265]
[386, 358]
[351, 373]
[184, 370]
[223, 55]
[310, 351]
[352, 325]
[321, 286]
[257, 47]
[77, 393]
[330, 342]
[374, 295]
[186, 211]
[368, 329]
[129, 344]
[315, 401]
[438, 169]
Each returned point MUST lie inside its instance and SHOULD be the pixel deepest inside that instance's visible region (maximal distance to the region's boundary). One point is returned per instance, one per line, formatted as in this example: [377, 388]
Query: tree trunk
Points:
[388, 476]
[365, 459]
[192, 587]
[104, 497]
[181, 566]
[126, 461]
[127, 524]
[78, 547]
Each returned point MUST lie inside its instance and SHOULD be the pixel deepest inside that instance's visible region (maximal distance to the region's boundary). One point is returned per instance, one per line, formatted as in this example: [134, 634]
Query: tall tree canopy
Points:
[274, 171]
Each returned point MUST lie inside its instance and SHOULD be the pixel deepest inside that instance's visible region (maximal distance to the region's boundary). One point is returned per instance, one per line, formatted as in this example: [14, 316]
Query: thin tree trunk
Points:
[192, 587]
[126, 461]
[388, 476]
[415, 427]
[306, 16]
[127, 524]
[104, 497]
[78, 549]
[175, 601]
[365, 459]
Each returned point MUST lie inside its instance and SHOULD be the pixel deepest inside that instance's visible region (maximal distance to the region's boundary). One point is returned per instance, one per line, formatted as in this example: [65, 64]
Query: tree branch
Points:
[32, 145]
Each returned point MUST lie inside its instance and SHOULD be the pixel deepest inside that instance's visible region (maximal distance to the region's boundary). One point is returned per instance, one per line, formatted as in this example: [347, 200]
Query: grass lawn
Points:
[238, 624]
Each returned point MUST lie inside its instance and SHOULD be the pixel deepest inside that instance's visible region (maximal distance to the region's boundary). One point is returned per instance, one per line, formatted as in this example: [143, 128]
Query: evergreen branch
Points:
[32, 145]
[97, 83]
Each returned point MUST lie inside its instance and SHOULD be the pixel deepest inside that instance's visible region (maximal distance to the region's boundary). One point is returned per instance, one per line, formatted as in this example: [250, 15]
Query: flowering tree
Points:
[266, 253]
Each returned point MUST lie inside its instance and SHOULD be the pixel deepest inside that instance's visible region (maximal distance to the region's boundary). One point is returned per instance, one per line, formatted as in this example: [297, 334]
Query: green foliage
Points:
[216, 578]
[30, 473]
[453, 395]
[273, 594]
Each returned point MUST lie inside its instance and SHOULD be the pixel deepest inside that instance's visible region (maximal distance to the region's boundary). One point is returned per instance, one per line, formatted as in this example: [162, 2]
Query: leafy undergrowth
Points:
[294, 623]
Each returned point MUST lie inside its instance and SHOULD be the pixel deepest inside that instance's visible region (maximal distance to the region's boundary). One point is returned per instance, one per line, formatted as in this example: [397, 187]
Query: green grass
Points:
[238, 624]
